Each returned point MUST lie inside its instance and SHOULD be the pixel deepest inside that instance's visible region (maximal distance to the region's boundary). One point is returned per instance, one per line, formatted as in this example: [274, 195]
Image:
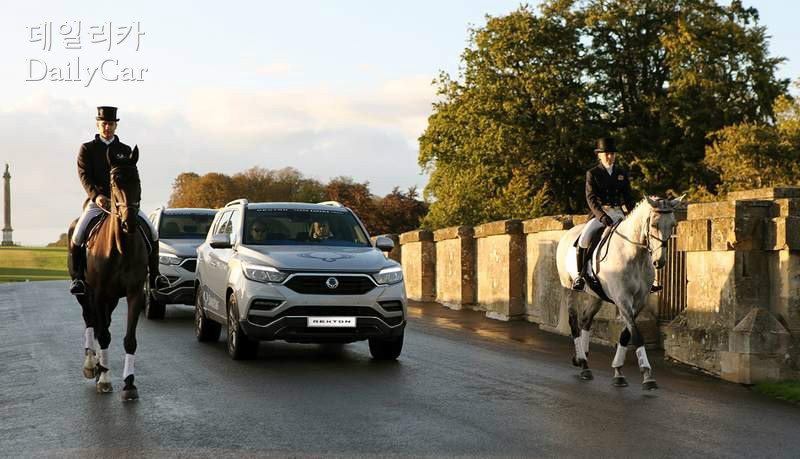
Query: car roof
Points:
[189, 210]
[295, 205]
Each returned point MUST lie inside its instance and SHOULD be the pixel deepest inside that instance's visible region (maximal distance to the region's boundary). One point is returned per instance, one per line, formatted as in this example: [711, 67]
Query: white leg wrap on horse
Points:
[104, 358]
[579, 354]
[128, 366]
[585, 341]
[619, 358]
[88, 339]
[642, 356]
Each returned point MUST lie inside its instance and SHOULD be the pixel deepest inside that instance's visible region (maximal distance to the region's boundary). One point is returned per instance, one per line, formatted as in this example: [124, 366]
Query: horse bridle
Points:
[115, 211]
[646, 244]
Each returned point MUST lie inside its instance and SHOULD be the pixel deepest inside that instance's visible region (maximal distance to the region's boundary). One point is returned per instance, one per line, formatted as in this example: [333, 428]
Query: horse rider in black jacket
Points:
[93, 171]
[608, 193]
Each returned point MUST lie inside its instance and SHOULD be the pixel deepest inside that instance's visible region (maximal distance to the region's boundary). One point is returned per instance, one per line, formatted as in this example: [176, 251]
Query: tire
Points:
[153, 309]
[240, 347]
[386, 348]
[205, 329]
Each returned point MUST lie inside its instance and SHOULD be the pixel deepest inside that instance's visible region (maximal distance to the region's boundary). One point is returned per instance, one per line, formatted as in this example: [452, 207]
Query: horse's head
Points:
[659, 228]
[126, 189]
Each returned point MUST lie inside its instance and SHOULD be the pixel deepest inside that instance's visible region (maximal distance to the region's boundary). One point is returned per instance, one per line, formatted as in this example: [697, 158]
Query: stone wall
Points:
[742, 317]
[742, 292]
[455, 266]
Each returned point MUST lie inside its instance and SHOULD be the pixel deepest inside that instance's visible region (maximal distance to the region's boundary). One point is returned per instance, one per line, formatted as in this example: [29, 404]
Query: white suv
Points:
[304, 273]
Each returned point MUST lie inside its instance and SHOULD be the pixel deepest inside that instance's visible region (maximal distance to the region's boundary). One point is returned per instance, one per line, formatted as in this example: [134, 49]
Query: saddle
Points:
[94, 226]
[598, 242]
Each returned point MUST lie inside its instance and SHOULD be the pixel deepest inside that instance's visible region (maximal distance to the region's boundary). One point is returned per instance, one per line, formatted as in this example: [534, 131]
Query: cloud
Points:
[323, 132]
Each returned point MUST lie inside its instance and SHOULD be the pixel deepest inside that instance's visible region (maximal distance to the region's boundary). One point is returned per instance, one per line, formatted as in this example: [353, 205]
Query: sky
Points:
[330, 88]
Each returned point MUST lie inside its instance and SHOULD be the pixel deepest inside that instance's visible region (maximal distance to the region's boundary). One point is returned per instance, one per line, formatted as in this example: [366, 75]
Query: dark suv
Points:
[180, 231]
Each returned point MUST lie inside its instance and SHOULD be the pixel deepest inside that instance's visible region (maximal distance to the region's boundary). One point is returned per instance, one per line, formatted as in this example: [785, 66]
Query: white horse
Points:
[635, 249]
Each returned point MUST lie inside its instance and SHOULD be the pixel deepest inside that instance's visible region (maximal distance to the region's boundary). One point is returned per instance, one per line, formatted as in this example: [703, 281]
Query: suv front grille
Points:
[316, 285]
[190, 264]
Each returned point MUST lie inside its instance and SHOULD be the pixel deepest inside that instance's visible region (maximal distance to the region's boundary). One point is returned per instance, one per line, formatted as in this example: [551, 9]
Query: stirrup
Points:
[78, 287]
[578, 284]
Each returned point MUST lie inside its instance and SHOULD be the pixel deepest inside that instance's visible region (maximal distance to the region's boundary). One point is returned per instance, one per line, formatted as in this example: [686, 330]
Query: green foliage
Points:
[512, 137]
[786, 390]
[750, 155]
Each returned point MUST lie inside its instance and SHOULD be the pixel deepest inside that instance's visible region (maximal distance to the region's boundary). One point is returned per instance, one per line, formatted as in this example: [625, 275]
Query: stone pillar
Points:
[418, 258]
[740, 290]
[7, 240]
[501, 269]
[455, 266]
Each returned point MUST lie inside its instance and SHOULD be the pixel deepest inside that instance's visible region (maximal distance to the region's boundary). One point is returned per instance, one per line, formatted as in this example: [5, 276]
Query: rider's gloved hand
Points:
[606, 220]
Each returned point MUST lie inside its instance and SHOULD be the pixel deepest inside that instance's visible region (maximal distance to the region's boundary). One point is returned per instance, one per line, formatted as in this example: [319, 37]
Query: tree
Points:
[750, 155]
[513, 135]
[399, 212]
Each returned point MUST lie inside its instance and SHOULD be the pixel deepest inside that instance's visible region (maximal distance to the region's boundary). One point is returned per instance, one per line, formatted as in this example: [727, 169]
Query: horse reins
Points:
[133, 205]
[646, 244]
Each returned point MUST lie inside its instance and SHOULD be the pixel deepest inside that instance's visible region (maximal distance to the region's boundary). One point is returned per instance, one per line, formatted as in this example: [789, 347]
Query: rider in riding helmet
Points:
[608, 193]
[93, 171]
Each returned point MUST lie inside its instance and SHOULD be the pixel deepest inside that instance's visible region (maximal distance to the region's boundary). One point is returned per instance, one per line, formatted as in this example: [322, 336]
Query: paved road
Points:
[464, 386]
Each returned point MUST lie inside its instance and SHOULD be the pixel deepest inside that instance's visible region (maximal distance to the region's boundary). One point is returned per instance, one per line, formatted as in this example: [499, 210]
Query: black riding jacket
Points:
[93, 167]
[603, 189]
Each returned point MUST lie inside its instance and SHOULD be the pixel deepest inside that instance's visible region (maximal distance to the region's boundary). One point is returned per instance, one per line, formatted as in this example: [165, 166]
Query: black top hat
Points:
[107, 114]
[606, 145]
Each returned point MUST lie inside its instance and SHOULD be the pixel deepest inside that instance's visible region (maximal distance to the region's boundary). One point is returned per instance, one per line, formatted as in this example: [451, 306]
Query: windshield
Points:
[184, 226]
[302, 227]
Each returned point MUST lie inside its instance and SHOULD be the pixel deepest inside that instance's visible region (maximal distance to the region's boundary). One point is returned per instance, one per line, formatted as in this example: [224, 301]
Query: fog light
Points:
[264, 305]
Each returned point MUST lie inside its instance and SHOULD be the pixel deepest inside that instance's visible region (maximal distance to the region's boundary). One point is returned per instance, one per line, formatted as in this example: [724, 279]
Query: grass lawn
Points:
[19, 264]
[786, 390]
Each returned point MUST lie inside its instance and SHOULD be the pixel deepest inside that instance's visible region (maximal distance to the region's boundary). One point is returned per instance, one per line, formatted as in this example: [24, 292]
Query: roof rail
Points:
[238, 201]
[331, 203]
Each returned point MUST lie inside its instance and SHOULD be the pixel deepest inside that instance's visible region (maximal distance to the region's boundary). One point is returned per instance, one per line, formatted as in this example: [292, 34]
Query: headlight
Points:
[391, 275]
[262, 273]
[169, 259]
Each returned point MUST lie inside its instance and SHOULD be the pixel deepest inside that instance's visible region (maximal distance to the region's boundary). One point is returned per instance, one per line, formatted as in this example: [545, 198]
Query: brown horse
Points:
[116, 267]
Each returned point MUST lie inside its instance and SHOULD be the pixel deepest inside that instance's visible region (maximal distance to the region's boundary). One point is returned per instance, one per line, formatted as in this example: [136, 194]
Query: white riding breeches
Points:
[595, 225]
[91, 211]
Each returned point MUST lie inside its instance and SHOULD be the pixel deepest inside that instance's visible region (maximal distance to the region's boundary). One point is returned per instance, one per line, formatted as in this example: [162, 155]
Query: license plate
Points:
[335, 322]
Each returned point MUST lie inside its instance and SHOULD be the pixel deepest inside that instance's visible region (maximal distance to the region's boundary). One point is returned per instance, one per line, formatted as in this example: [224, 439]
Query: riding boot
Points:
[579, 281]
[78, 258]
[155, 279]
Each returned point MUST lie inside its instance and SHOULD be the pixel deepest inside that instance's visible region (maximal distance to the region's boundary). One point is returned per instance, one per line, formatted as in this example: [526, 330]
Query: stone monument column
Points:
[7, 214]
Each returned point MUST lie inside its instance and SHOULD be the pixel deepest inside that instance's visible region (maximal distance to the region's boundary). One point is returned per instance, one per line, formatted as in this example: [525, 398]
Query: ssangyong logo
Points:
[332, 283]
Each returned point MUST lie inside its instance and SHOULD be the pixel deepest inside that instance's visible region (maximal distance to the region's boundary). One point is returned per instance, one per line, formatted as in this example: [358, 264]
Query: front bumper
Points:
[379, 313]
[181, 283]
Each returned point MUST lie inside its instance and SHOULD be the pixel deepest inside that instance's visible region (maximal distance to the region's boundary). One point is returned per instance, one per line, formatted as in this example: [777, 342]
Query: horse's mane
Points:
[637, 218]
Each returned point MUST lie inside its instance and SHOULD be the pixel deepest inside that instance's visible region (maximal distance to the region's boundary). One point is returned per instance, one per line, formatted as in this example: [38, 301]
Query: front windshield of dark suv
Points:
[184, 225]
[302, 227]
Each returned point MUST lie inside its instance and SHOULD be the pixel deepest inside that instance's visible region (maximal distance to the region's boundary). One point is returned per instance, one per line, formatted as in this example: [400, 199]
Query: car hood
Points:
[315, 258]
[185, 248]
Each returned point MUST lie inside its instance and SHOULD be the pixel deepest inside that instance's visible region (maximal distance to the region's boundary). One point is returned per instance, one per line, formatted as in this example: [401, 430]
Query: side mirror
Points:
[220, 241]
[384, 244]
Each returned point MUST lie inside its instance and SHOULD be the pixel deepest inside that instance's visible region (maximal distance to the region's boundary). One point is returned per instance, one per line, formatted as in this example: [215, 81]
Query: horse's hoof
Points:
[649, 385]
[104, 388]
[619, 381]
[586, 375]
[130, 394]
[89, 373]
